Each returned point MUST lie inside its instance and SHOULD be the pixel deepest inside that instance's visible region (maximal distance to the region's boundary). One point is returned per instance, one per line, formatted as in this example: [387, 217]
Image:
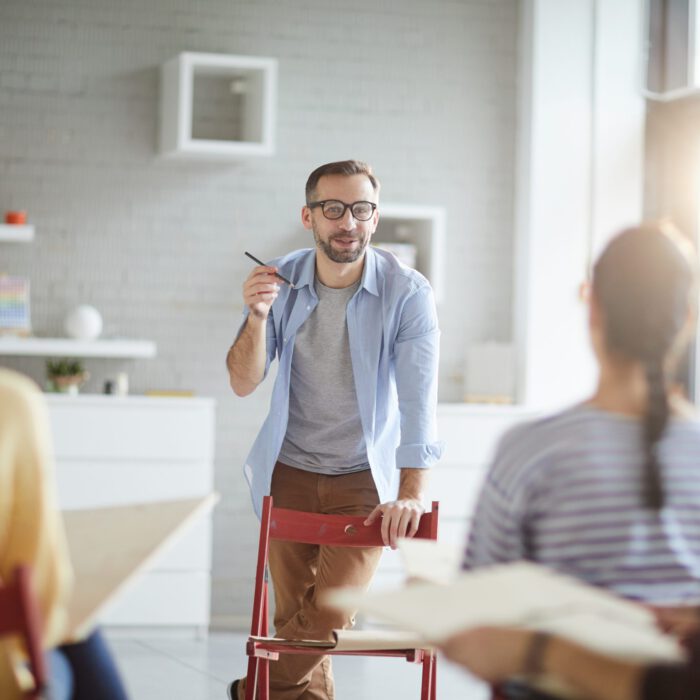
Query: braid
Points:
[644, 282]
[655, 421]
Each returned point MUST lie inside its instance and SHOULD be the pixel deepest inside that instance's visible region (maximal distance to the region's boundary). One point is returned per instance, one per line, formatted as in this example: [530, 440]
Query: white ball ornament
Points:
[83, 323]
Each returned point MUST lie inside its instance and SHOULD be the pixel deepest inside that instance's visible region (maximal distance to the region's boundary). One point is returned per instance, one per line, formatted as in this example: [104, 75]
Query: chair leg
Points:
[251, 678]
[265, 612]
[264, 679]
[433, 685]
[428, 677]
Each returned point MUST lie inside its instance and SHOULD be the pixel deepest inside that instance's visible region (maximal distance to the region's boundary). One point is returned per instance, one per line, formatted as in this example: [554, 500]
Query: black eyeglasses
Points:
[335, 209]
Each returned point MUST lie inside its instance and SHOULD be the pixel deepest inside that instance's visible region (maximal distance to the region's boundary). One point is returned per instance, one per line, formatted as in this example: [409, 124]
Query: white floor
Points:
[172, 668]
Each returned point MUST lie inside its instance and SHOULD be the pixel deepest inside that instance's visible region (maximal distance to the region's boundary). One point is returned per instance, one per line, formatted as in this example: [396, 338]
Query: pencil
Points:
[276, 274]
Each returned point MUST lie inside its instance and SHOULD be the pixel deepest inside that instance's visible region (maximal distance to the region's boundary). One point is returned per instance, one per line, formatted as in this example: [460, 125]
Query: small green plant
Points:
[64, 368]
[65, 376]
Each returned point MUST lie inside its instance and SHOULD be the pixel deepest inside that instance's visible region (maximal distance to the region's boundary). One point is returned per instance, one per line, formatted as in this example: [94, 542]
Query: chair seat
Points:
[354, 640]
[349, 643]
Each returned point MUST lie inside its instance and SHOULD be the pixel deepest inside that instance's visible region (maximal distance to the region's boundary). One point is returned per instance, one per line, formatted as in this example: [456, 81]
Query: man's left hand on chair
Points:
[400, 518]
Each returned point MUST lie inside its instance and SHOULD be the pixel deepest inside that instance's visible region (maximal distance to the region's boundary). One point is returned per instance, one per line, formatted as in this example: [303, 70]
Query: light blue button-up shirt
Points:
[394, 341]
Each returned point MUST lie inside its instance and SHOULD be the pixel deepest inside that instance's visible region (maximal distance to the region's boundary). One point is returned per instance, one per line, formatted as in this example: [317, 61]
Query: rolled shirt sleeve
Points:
[416, 353]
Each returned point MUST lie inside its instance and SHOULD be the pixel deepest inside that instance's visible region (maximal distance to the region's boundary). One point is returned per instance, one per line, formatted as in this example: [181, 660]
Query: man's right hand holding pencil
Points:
[260, 290]
[246, 358]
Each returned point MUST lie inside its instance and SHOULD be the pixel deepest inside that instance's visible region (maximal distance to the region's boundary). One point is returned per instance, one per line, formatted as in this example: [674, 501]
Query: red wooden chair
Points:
[20, 616]
[315, 528]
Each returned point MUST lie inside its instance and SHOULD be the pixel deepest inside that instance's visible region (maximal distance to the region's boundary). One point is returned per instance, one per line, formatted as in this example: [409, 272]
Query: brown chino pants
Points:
[301, 573]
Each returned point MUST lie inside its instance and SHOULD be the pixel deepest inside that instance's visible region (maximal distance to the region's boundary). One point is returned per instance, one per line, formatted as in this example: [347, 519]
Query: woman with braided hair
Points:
[608, 490]
[643, 296]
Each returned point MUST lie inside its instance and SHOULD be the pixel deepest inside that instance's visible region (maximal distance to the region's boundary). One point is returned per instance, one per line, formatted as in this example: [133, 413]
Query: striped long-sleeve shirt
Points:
[566, 491]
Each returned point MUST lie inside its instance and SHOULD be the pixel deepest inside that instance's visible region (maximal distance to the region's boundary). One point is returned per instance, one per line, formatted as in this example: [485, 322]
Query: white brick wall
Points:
[423, 89]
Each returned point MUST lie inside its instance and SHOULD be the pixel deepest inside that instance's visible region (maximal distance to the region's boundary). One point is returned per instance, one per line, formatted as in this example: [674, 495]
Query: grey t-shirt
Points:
[324, 432]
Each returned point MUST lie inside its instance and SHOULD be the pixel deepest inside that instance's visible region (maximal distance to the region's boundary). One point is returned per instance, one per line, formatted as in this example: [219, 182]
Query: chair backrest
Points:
[339, 530]
[317, 528]
[20, 616]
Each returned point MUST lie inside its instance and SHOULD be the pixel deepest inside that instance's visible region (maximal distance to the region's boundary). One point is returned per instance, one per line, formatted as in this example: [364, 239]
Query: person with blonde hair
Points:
[32, 533]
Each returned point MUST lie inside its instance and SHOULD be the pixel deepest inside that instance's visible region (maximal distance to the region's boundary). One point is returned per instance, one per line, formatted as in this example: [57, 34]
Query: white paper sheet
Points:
[430, 560]
[519, 594]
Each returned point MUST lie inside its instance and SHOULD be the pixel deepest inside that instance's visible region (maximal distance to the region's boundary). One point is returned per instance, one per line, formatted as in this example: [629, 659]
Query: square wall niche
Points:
[218, 106]
[418, 229]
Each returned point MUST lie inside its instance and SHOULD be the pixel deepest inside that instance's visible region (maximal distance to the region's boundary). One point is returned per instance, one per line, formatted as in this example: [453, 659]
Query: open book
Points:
[518, 594]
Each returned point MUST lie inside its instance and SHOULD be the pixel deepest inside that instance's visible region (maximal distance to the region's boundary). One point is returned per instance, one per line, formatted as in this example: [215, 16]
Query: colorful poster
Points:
[14, 305]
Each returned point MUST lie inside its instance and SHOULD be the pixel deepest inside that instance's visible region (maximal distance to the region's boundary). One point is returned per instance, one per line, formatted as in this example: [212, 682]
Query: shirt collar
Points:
[306, 275]
[369, 272]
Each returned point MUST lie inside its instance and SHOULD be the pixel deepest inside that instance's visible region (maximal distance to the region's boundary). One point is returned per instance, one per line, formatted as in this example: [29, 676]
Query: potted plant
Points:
[65, 376]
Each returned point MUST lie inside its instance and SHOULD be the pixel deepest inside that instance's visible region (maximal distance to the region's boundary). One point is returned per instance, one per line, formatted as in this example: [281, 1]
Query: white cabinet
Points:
[121, 450]
[471, 433]
[423, 227]
[218, 106]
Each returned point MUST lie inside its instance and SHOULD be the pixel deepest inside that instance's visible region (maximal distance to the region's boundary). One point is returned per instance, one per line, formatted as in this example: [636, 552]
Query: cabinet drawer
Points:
[168, 599]
[98, 483]
[133, 429]
[471, 434]
[191, 552]
[470, 441]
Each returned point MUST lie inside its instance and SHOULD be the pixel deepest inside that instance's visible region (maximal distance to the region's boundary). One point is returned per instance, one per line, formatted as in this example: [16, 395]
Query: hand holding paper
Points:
[524, 595]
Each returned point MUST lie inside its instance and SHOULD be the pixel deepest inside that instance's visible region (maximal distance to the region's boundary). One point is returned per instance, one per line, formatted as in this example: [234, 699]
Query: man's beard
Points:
[342, 256]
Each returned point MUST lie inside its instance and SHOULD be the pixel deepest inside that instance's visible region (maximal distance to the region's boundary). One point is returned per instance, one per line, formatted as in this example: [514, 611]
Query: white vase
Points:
[83, 323]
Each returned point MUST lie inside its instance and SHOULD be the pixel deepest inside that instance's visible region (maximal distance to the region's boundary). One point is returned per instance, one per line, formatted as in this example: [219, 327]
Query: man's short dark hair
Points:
[341, 167]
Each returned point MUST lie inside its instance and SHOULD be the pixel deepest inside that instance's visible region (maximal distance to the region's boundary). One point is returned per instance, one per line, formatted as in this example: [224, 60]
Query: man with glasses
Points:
[351, 427]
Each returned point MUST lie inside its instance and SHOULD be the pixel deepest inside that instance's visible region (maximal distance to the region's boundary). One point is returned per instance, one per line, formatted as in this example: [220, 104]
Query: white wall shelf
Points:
[16, 233]
[66, 347]
[421, 226]
[218, 106]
